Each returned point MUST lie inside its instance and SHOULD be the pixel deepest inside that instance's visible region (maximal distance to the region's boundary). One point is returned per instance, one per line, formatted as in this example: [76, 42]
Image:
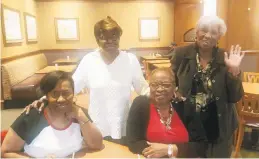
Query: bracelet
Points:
[170, 150]
[84, 122]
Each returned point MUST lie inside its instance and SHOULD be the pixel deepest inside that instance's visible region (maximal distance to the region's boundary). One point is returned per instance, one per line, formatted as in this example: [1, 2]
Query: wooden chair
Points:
[248, 111]
[251, 77]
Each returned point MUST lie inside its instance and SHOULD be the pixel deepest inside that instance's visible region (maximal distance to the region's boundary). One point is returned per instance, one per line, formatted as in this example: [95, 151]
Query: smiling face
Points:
[161, 87]
[109, 40]
[61, 97]
[208, 36]
[107, 33]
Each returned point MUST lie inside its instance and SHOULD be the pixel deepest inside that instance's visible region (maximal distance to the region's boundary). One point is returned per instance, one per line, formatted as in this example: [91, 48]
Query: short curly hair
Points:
[106, 24]
[212, 20]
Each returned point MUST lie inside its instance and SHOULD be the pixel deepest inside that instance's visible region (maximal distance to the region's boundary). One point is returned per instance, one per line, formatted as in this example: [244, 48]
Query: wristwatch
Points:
[170, 150]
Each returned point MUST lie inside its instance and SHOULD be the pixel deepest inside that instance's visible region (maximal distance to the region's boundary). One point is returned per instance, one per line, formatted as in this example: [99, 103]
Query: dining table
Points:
[66, 68]
[109, 150]
[153, 58]
[161, 65]
[67, 61]
[252, 88]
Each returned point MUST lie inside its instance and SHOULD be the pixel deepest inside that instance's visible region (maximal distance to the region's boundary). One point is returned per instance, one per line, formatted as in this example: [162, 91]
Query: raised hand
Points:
[233, 59]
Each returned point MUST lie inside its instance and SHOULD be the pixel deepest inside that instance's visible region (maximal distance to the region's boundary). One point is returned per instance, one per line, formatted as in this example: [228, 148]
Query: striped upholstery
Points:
[15, 71]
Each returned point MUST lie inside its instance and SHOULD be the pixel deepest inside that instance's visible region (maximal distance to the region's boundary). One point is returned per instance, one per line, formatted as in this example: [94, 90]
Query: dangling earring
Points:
[74, 99]
[173, 97]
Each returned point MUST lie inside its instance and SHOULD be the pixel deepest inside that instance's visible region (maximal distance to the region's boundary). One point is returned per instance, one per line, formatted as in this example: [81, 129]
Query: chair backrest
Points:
[248, 106]
[17, 70]
[251, 77]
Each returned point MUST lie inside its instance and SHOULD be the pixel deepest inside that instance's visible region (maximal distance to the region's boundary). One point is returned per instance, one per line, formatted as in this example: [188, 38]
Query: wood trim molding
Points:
[49, 51]
[92, 49]
[187, 1]
[2, 104]
[149, 48]
[103, 0]
[251, 51]
[8, 59]
[67, 50]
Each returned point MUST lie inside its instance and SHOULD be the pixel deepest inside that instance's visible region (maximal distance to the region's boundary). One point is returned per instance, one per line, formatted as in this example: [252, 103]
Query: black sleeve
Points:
[135, 133]
[19, 126]
[176, 60]
[235, 89]
[24, 124]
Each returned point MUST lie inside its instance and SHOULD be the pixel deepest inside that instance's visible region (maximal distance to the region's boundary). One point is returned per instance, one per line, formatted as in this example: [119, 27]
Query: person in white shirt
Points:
[109, 73]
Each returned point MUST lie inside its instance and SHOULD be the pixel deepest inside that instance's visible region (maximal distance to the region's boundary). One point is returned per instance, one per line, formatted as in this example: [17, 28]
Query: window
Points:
[209, 7]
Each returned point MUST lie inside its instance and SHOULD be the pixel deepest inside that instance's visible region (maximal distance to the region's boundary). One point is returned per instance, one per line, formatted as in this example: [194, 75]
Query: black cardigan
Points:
[137, 124]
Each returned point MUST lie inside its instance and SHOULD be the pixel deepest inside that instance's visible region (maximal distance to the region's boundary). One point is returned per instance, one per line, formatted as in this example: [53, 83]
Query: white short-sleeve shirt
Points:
[110, 89]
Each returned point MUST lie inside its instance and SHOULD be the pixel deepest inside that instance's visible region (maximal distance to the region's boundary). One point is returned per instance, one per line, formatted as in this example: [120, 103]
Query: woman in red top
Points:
[156, 127]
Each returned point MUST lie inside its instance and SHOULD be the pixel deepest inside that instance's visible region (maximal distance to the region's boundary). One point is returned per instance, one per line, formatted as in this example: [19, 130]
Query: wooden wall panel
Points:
[188, 12]
[243, 24]
[254, 21]
[186, 17]
[237, 20]
[222, 12]
[187, 1]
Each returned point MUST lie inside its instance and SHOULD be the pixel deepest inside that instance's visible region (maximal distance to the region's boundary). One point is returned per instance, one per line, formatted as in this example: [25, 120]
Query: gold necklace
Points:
[167, 123]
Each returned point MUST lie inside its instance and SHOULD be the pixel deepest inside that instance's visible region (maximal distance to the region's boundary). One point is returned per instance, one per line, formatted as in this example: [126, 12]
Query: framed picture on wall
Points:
[30, 27]
[149, 28]
[67, 29]
[11, 25]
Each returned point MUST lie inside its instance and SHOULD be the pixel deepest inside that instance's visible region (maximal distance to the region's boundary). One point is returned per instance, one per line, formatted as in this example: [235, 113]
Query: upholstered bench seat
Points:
[28, 89]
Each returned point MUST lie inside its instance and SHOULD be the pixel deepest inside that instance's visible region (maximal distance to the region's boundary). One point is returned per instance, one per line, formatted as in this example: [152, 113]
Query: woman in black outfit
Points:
[209, 79]
[156, 127]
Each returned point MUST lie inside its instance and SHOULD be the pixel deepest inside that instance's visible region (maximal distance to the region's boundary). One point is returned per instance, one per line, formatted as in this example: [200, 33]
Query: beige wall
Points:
[125, 13]
[243, 25]
[28, 6]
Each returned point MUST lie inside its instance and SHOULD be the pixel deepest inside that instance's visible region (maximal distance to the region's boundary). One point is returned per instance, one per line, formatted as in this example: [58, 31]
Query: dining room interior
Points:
[41, 36]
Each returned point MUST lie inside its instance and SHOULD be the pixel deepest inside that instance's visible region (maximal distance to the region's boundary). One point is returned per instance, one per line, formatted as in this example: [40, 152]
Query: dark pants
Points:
[254, 136]
[220, 150]
[121, 141]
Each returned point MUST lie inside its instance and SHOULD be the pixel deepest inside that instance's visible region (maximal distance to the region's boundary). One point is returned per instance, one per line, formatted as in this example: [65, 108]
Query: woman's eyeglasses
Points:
[114, 37]
[64, 94]
[164, 85]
